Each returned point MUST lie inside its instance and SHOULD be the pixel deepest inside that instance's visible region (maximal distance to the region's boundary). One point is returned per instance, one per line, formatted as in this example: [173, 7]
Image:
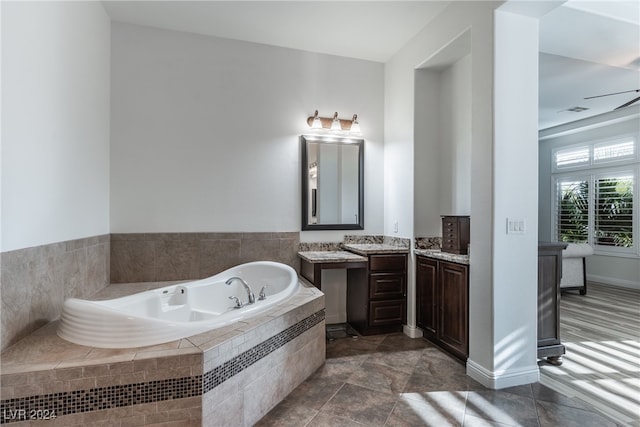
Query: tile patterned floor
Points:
[393, 380]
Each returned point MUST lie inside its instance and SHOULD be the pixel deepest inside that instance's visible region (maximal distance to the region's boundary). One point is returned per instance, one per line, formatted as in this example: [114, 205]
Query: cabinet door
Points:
[453, 322]
[426, 295]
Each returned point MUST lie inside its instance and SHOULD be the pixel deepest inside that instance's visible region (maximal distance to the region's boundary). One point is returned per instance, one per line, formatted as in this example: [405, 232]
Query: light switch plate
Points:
[516, 226]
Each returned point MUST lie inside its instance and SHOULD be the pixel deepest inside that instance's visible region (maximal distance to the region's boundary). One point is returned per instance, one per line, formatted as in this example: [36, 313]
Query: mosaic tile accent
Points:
[58, 404]
[428, 242]
[65, 403]
[232, 367]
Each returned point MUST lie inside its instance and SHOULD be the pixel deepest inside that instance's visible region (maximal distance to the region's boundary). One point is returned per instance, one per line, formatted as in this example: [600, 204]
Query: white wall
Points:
[442, 148]
[55, 122]
[515, 185]
[502, 339]
[612, 270]
[456, 20]
[205, 131]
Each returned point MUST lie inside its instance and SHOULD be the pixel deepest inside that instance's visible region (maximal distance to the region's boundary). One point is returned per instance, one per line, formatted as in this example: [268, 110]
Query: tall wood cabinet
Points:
[455, 234]
[377, 295]
[442, 304]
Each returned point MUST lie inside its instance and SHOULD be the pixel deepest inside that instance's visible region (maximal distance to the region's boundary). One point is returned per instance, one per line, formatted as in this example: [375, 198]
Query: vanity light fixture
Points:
[334, 124]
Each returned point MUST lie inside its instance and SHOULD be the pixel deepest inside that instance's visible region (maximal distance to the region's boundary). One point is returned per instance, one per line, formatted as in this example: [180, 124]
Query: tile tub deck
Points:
[228, 376]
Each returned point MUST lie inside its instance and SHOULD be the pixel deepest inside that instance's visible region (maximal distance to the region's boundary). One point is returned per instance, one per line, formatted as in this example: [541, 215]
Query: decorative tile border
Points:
[49, 406]
[54, 405]
[232, 367]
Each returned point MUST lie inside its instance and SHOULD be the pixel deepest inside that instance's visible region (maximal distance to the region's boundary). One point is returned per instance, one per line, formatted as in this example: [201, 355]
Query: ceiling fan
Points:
[626, 104]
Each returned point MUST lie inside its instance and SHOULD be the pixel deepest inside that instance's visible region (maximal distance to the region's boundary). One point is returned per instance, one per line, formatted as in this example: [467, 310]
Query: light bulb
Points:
[335, 124]
[317, 123]
[355, 126]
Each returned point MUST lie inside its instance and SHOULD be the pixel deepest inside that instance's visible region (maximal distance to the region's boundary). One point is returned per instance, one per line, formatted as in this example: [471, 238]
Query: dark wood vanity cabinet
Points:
[442, 304]
[377, 295]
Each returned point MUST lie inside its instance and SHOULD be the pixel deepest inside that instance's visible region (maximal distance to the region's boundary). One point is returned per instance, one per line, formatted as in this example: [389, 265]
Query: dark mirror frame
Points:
[328, 139]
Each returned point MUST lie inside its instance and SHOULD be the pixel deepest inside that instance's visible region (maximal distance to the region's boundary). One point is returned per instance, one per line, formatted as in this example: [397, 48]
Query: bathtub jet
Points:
[178, 311]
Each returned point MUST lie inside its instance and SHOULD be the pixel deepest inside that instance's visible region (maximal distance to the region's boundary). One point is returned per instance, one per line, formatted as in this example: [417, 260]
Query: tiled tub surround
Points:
[152, 257]
[36, 281]
[229, 376]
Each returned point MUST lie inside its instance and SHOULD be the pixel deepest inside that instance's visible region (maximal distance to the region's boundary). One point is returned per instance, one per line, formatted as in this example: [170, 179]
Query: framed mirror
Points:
[332, 183]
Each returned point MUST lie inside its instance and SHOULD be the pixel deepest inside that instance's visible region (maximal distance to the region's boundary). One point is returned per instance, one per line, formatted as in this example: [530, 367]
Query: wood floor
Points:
[601, 332]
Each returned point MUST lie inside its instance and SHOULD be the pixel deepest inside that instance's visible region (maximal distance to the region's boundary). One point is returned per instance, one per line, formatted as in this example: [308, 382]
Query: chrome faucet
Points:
[263, 293]
[250, 295]
[237, 301]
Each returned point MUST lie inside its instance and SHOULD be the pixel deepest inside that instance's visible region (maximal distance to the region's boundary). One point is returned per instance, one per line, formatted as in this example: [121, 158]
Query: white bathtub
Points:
[177, 311]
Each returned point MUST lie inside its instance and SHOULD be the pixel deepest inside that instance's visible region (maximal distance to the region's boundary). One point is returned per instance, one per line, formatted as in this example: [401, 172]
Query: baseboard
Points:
[412, 331]
[502, 379]
[612, 281]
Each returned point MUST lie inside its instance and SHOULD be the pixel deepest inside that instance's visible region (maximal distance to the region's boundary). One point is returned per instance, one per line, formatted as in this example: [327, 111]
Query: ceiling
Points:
[587, 48]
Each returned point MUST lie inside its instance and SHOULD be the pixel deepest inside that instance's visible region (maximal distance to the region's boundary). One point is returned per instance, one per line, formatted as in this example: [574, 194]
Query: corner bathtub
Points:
[177, 311]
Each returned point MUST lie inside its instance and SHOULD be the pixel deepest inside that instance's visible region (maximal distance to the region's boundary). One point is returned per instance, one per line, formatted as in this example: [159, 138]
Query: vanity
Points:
[332, 183]
[376, 283]
[442, 300]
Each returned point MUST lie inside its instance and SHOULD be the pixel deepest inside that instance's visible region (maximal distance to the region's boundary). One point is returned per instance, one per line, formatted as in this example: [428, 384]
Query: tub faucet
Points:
[250, 295]
[263, 293]
[237, 301]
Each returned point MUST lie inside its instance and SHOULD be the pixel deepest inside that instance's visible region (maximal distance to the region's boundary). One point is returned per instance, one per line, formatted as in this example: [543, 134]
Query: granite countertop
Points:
[446, 256]
[375, 248]
[330, 256]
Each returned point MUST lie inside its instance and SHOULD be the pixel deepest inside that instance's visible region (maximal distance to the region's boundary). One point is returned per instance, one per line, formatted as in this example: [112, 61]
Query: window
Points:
[613, 150]
[572, 157]
[595, 201]
[594, 154]
[573, 212]
[614, 210]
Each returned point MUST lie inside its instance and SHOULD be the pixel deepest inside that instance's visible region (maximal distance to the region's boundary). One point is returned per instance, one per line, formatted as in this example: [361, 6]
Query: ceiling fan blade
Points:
[628, 103]
[613, 93]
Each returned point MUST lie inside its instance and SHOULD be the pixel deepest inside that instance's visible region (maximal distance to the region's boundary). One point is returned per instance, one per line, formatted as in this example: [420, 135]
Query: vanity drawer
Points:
[451, 248]
[386, 285]
[387, 262]
[449, 226]
[387, 312]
